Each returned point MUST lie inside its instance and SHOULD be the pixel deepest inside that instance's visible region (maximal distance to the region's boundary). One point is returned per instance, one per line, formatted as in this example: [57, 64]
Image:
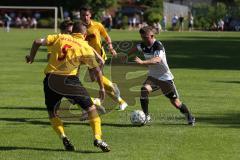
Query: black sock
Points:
[144, 105]
[184, 110]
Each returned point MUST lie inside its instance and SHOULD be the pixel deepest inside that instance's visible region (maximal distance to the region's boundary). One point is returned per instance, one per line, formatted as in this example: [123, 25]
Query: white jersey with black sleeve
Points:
[160, 70]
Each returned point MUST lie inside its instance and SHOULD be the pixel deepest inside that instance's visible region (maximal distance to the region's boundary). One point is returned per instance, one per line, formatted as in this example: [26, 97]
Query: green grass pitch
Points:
[206, 69]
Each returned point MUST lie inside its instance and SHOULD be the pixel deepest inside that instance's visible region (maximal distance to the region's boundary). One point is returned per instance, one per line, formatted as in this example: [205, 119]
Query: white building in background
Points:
[180, 7]
[188, 2]
[171, 9]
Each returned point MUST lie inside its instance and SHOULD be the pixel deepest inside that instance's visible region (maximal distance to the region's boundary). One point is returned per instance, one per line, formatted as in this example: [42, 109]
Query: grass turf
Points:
[206, 70]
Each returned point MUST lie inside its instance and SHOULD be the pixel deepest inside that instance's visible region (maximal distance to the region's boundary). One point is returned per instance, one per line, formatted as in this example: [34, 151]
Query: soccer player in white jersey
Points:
[159, 74]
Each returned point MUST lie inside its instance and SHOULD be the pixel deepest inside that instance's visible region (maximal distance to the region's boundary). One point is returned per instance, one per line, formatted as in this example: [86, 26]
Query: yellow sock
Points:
[92, 99]
[120, 100]
[95, 123]
[108, 85]
[57, 125]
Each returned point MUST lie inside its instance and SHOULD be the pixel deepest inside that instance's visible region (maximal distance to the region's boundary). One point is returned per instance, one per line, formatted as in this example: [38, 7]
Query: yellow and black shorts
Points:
[58, 86]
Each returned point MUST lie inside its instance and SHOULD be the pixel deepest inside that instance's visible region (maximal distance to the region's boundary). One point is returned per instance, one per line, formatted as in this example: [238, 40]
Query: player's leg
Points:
[113, 91]
[184, 110]
[83, 99]
[94, 121]
[144, 100]
[170, 91]
[146, 89]
[52, 100]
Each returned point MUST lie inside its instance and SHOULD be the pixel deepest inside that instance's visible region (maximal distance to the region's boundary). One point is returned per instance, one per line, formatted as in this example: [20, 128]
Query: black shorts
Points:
[168, 87]
[58, 86]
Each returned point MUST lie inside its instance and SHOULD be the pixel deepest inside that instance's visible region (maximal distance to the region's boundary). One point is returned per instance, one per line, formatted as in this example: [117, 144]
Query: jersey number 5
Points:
[64, 52]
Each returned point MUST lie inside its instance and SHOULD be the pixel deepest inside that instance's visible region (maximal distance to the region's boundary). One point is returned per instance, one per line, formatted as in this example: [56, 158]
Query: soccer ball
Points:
[137, 117]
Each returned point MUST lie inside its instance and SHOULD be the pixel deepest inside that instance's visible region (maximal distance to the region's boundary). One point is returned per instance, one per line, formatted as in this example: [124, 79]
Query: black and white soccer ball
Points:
[137, 117]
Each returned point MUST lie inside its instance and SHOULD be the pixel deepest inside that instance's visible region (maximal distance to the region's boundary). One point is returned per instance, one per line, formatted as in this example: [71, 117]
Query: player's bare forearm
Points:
[35, 46]
[33, 52]
[100, 60]
[125, 58]
[110, 46]
[153, 60]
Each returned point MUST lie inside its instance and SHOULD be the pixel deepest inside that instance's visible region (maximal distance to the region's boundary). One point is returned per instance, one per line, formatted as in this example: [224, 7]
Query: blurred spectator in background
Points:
[220, 25]
[181, 23]
[164, 23]
[7, 22]
[37, 15]
[190, 22]
[24, 22]
[66, 15]
[214, 26]
[107, 20]
[174, 22]
[158, 27]
[33, 23]
[18, 22]
[76, 15]
[134, 21]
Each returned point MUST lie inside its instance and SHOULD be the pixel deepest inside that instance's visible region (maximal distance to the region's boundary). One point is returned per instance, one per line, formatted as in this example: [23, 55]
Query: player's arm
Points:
[124, 59]
[94, 66]
[156, 59]
[107, 38]
[132, 50]
[110, 46]
[35, 46]
[99, 59]
[153, 60]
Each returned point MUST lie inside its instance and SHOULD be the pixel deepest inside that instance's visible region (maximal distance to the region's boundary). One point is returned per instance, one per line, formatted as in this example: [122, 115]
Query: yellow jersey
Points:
[95, 32]
[67, 53]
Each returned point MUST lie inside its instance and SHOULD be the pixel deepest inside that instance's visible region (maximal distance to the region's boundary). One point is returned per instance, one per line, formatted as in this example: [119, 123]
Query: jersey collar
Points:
[78, 35]
[152, 44]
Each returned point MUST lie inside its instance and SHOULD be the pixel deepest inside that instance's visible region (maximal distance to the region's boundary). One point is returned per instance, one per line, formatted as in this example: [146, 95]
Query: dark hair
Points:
[64, 24]
[86, 8]
[146, 30]
[79, 27]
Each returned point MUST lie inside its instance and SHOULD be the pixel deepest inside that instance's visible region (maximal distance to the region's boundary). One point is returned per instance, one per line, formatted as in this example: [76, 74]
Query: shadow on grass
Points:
[41, 60]
[66, 123]
[24, 108]
[118, 125]
[25, 120]
[192, 52]
[197, 52]
[227, 120]
[234, 82]
[11, 148]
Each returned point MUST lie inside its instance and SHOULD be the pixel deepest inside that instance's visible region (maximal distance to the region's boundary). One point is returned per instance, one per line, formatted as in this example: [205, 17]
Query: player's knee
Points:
[92, 112]
[52, 114]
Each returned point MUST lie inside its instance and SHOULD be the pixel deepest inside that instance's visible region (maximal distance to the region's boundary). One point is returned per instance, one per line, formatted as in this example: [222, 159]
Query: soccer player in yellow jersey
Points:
[65, 28]
[95, 32]
[61, 80]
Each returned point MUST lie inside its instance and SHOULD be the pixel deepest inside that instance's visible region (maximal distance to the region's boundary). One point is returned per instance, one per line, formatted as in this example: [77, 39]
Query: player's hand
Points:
[28, 59]
[113, 52]
[138, 60]
[102, 94]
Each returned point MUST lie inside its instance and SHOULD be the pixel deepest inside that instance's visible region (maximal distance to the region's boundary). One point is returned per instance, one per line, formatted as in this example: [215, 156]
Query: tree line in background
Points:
[152, 11]
[207, 16]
